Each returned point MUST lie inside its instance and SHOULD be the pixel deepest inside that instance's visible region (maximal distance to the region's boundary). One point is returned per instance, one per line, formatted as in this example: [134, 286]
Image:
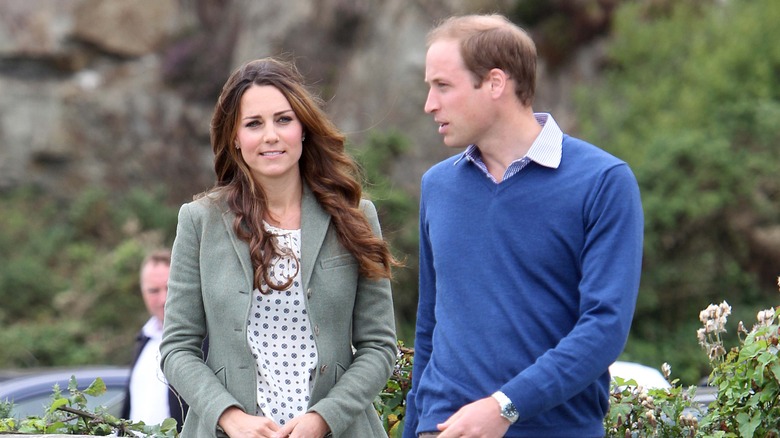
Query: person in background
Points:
[530, 252]
[283, 265]
[148, 397]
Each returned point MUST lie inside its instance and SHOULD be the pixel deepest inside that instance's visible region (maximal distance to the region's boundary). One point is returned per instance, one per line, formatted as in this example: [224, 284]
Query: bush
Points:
[391, 402]
[71, 268]
[747, 379]
[704, 151]
[67, 414]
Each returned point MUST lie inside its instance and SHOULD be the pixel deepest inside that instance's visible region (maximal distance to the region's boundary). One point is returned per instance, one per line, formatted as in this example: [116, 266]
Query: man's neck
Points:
[510, 141]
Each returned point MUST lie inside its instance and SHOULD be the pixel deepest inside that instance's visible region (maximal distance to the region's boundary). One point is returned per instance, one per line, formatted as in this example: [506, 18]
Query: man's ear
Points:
[497, 81]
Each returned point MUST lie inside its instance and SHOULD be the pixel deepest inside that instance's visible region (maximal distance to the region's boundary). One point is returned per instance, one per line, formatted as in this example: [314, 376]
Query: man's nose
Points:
[431, 103]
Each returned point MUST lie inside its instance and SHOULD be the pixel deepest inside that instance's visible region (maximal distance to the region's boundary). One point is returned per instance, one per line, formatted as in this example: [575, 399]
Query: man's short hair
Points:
[492, 41]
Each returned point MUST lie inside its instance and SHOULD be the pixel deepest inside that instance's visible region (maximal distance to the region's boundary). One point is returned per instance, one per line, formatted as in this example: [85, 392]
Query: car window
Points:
[36, 404]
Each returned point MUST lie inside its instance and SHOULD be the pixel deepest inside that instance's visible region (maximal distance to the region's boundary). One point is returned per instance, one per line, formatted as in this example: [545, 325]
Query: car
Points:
[31, 391]
[643, 375]
[649, 377]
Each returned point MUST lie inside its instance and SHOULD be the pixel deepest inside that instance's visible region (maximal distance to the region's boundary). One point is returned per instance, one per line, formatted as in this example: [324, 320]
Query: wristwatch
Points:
[508, 409]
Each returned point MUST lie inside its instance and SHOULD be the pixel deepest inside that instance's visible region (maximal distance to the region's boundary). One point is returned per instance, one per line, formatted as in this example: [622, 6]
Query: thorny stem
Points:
[84, 415]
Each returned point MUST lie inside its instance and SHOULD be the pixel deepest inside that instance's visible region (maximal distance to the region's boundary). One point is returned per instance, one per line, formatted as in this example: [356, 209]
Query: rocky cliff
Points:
[120, 93]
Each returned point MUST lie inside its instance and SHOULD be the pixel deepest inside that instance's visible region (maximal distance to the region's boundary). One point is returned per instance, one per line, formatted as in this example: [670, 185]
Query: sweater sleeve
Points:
[426, 320]
[610, 265]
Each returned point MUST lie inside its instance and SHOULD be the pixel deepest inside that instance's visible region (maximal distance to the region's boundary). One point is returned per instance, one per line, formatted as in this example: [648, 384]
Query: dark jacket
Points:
[178, 408]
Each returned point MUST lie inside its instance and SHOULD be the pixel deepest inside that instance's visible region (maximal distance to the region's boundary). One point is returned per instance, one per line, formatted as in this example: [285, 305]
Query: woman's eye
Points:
[285, 119]
[252, 124]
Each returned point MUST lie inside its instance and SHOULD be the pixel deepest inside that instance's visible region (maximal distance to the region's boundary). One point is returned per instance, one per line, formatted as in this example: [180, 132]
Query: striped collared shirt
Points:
[545, 150]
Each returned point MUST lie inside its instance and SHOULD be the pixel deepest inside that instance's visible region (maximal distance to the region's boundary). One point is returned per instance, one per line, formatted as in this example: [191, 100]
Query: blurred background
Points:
[104, 133]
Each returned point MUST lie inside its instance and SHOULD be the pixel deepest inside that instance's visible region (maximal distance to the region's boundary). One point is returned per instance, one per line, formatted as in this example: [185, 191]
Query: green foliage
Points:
[391, 402]
[637, 412]
[689, 99]
[746, 378]
[398, 216]
[69, 274]
[68, 415]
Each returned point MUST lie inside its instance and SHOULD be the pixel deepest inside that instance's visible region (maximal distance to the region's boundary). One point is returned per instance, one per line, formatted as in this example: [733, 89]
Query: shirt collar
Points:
[153, 328]
[546, 150]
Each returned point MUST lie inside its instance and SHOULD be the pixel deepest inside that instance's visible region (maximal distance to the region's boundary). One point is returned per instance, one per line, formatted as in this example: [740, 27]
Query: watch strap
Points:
[508, 409]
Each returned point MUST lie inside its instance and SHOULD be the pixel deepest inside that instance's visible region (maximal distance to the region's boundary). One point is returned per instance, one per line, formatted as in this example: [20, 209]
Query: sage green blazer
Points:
[209, 292]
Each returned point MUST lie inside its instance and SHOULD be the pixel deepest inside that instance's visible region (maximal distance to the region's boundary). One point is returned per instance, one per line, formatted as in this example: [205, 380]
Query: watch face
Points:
[508, 409]
[510, 412]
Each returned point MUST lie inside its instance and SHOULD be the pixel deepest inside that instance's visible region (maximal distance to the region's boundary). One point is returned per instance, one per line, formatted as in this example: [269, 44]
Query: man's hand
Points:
[481, 419]
[309, 425]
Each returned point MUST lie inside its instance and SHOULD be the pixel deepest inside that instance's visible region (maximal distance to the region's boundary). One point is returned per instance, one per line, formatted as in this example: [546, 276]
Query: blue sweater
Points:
[527, 287]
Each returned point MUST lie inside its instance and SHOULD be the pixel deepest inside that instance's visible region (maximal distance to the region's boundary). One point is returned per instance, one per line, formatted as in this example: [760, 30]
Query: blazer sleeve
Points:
[374, 341]
[185, 325]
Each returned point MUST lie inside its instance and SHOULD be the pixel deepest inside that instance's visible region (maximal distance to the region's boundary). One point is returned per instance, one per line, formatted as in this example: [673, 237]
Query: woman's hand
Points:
[238, 424]
[309, 425]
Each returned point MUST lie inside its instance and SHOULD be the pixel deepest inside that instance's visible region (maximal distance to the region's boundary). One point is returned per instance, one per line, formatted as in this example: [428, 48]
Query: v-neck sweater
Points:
[528, 287]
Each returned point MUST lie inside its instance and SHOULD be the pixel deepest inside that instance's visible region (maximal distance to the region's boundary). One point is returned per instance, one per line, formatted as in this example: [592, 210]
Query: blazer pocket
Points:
[340, 370]
[339, 260]
[221, 374]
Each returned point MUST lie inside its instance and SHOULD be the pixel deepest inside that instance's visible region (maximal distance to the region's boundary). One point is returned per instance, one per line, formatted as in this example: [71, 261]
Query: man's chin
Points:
[452, 143]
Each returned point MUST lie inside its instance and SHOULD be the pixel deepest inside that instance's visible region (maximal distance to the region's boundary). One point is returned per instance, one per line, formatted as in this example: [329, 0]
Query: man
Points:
[530, 252]
[148, 396]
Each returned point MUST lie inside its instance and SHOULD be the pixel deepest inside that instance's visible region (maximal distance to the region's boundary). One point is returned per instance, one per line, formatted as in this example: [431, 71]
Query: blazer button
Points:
[316, 330]
[323, 369]
[308, 293]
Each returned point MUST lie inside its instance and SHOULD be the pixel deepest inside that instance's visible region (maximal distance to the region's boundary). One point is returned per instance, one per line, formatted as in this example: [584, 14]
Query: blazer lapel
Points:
[241, 247]
[314, 226]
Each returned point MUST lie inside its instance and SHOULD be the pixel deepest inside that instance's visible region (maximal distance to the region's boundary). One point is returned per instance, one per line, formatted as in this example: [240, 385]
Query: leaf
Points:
[98, 387]
[775, 368]
[56, 427]
[56, 404]
[32, 425]
[393, 432]
[77, 398]
[73, 385]
[747, 424]
[623, 409]
[168, 424]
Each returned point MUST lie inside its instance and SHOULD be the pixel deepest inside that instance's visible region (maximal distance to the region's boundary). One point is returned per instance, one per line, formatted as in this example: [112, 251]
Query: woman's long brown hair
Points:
[326, 168]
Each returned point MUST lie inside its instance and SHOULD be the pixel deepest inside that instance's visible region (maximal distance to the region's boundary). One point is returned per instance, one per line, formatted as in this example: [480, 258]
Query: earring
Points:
[303, 137]
[237, 146]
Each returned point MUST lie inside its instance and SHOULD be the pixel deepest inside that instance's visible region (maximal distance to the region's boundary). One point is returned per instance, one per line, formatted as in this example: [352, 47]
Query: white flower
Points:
[765, 317]
[701, 335]
[666, 369]
[716, 351]
[711, 326]
[725, 309]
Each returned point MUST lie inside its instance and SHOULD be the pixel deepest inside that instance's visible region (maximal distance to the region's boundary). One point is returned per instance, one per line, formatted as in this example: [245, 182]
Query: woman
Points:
[283, 266]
